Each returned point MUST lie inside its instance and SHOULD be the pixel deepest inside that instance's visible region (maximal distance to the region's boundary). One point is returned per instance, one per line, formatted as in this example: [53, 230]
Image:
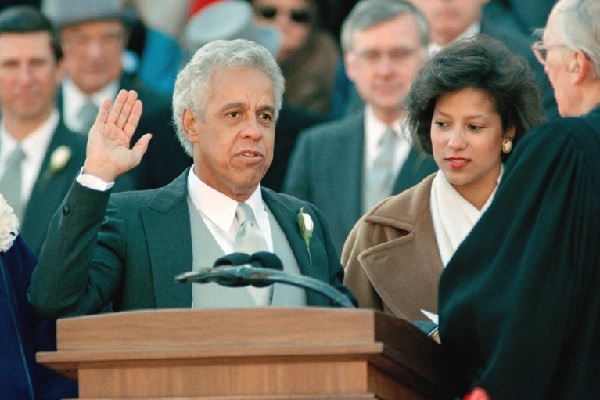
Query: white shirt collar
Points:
[34, 145]
[469, 32]
[219, 208]
[375, 129]
[74, 99]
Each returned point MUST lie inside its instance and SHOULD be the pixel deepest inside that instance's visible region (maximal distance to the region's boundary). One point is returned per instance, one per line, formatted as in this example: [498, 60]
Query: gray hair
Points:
[368, 13]
[194, 81]
[579, 27]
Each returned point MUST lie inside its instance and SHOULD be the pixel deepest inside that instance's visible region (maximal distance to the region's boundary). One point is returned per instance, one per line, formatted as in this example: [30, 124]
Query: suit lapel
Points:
[348, 178]
[416, 167]
[286, 214]
[405, 269]
[166, 222]
[404, 282]
[49, 188]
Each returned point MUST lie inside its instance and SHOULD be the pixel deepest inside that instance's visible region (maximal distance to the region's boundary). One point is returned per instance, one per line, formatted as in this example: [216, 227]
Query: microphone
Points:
[232, 259]
[265, 259]
[259, 269]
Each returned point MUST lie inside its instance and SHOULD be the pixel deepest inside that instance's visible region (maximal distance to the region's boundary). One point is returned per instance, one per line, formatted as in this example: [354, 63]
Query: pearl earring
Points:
[507, 145]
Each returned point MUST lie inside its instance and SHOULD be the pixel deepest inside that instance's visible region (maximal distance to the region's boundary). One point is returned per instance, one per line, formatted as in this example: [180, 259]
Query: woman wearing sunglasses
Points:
[307, 55]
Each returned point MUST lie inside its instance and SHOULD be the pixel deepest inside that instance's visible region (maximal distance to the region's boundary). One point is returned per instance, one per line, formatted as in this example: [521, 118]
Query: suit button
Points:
[66, 210]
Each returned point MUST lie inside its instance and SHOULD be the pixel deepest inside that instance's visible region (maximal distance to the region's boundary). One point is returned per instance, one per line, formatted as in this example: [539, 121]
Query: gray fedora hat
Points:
[229, 20]
[72, 12]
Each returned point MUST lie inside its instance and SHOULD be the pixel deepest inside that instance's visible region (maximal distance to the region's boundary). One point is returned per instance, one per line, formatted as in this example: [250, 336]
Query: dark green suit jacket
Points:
[128, 255]
[51, 186]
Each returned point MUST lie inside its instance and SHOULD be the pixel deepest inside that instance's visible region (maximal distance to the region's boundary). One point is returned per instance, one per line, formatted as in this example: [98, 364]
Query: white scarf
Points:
[453, 216]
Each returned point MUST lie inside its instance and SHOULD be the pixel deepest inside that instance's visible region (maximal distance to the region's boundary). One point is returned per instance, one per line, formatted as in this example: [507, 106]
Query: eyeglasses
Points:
[299, 16]
[541, 51]
[396, 56]
[108, 40]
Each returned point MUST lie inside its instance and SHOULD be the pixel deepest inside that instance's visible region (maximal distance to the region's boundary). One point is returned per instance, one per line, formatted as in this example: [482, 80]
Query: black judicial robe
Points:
[519, 302]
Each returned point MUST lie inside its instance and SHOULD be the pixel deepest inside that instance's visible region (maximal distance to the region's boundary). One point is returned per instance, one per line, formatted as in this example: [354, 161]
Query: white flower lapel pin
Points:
[306, 227]
[59, 159]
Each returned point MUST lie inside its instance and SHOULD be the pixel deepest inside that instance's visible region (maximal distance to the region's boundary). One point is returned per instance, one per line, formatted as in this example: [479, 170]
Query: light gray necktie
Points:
[249, 238]
[10, 183]
[87, 116]
[380, 177]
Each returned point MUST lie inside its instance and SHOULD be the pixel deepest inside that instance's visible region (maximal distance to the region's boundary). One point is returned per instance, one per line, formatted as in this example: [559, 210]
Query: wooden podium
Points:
[257, 353]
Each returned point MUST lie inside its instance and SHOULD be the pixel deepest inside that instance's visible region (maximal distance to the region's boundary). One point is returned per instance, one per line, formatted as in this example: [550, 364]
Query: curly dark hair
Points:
[483, 63]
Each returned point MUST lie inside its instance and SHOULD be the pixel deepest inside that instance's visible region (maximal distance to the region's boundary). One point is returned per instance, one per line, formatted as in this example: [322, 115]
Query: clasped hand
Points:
[108, 153]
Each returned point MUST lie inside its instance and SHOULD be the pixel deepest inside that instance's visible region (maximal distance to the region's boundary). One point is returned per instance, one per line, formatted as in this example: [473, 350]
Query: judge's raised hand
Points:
[108, 152]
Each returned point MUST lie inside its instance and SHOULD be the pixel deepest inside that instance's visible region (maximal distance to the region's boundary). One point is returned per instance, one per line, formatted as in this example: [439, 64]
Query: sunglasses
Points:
[298, 16]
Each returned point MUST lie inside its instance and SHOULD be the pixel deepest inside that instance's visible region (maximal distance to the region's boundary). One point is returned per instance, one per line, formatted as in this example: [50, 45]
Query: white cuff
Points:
[93, 182]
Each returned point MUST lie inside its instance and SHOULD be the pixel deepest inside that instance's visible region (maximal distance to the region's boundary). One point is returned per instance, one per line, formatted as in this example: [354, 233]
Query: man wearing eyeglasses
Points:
[520, 310]
[94, 35]
[346, 167]
[571, 57]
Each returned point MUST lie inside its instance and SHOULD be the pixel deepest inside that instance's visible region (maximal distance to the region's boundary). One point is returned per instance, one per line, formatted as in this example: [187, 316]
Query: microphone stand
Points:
[244, 275]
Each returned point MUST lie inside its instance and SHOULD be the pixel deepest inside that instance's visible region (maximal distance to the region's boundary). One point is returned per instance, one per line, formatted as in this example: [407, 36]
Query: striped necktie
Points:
[380, 177]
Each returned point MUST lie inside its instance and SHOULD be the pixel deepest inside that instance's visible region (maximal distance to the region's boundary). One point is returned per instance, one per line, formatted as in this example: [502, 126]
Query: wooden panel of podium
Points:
[264, 353]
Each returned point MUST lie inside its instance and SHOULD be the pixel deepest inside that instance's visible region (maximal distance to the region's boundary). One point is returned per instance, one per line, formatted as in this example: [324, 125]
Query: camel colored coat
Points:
[391, 258]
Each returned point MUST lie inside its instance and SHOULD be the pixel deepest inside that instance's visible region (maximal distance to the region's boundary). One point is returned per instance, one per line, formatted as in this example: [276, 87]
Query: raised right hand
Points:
[108, 153]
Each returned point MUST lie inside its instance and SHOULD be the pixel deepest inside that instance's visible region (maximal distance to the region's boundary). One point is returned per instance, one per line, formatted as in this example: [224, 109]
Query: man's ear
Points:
[350, 66]
[581, 67]
[190, 125]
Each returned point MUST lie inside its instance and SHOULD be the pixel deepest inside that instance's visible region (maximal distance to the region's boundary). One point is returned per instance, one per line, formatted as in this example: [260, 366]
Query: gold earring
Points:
[507, 145]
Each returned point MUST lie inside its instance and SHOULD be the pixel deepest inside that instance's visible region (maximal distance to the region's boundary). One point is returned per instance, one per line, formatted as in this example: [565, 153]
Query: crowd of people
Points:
[430, 158]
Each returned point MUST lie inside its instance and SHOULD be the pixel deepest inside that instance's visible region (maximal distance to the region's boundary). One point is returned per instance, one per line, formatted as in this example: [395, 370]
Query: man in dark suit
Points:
[457, 19]
[125, 249]
[94, 36]
[51, 154]
[385, 43]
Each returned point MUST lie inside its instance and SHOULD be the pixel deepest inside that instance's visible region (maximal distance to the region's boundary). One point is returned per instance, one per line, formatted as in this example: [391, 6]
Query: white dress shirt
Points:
[470, 31]
[374, 130]
[74, 99]
[35, 146]
[218, 212]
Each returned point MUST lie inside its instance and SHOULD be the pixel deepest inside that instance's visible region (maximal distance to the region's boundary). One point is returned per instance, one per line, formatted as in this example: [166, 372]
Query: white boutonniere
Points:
[9, 225]
[59, 158]
[306, 226]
